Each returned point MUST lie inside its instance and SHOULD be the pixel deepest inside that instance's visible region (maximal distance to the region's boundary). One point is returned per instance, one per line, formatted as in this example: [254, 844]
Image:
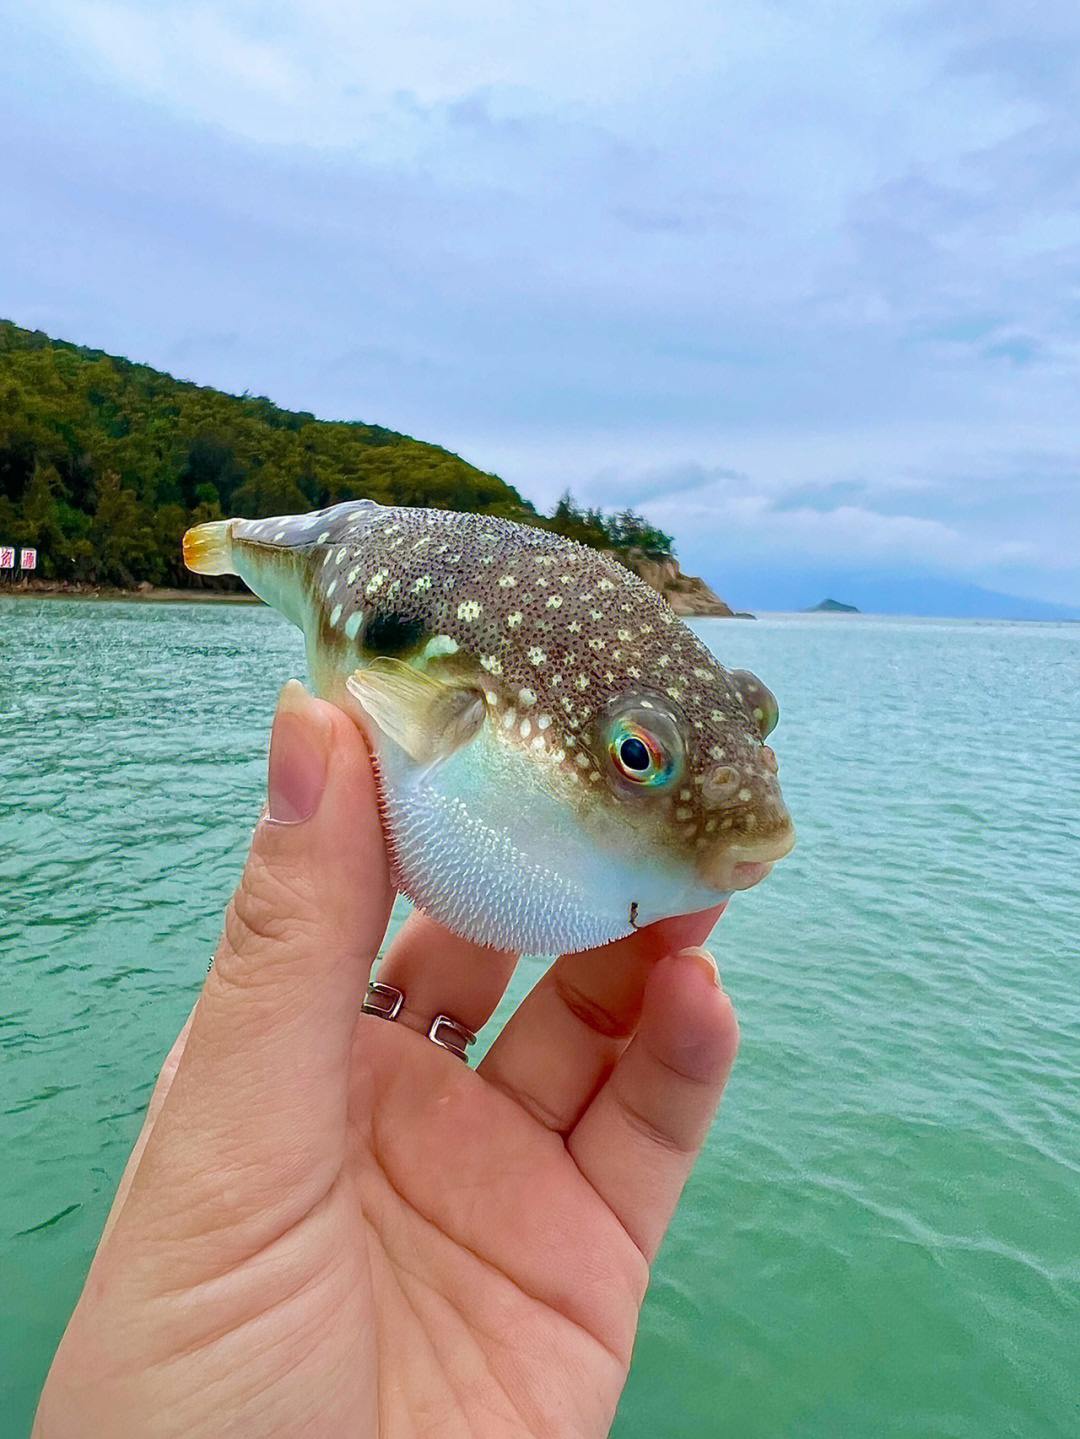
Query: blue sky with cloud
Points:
[800, 280]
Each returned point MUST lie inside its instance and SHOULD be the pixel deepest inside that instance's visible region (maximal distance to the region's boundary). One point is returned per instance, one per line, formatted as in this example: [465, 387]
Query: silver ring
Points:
[456, 1031]
[384, 1002]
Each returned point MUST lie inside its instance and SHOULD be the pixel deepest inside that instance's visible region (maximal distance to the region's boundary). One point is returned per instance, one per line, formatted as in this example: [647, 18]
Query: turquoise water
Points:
[883, 1237]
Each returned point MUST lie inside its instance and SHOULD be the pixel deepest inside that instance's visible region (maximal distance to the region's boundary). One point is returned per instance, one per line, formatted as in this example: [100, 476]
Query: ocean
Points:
[882, 1239]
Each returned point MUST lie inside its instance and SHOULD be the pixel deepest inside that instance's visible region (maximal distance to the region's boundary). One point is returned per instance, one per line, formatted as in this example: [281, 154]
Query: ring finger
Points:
[440, 973]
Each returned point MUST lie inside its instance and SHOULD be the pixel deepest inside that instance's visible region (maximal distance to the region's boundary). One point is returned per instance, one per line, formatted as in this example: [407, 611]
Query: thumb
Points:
[255, 1118]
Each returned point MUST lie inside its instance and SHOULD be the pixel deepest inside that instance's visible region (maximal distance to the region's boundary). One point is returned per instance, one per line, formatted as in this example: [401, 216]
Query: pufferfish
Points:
[560, 760]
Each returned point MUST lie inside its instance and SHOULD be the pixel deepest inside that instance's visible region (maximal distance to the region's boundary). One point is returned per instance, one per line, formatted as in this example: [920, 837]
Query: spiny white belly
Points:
[486, 850]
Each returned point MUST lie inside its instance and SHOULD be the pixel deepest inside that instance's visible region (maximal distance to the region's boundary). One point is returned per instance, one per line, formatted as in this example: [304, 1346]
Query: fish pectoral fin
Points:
[428, 718]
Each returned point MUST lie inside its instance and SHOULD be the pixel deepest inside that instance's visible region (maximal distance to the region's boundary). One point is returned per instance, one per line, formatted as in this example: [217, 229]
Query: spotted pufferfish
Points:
[560, 760]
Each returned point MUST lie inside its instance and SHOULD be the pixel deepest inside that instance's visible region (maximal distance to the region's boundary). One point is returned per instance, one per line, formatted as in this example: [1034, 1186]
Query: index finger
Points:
[556, 1051]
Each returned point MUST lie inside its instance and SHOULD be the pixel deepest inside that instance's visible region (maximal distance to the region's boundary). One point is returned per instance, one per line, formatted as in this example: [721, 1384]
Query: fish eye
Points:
[761, 702]
[637, 754]
[634, 754]
[644, 748]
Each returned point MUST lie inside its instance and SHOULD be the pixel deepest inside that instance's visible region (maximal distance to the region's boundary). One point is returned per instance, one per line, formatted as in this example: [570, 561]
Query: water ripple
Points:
[881, 1238]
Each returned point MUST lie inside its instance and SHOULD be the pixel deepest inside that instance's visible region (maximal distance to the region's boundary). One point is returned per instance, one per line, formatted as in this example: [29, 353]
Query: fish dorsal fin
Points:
[428, 718]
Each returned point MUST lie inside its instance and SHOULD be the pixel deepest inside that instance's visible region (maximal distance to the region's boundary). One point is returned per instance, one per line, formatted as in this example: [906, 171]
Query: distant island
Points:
[831, 607]
[104, 464]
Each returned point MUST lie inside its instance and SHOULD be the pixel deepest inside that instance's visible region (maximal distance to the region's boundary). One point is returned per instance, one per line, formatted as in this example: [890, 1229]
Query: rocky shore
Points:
[686, 594]
[74, 590]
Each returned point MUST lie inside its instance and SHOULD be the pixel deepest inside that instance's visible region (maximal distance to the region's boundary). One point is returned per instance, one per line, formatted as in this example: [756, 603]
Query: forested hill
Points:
[105, 463]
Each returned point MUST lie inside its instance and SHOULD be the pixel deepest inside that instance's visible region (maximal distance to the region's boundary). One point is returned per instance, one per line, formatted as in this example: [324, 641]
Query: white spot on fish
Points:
[492, 664]
[605, 585]
[351, 577]
[422, 584]
[526, 698]
[335, 614]
[279, 535]
[525, 729]
[322, 539]
[331, 587]
[468, 611]
[683, 812]
[539, 742]
[554, 602]
[513, 620]
[340, 555]
[537, 657]
[510, 719]
[353, 623]
[543, 722]
[744, 795]
[375, 584]
[582, 759]
[506, 581]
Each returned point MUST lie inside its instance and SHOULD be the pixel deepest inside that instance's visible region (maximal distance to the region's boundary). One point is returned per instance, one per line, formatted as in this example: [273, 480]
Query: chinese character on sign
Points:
[7, 557]
[28, 559]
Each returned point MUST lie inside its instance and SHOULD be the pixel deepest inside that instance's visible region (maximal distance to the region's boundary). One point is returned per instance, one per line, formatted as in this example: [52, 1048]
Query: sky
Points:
[798, 280]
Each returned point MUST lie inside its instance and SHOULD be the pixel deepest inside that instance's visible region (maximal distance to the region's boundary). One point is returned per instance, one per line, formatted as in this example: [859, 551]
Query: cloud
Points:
[811, 272]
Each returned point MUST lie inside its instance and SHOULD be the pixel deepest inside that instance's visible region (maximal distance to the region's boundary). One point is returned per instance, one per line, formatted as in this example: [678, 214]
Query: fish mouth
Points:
[742, 865]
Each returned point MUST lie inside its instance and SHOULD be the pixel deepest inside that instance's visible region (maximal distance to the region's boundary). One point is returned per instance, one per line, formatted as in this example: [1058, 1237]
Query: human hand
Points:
[330, 1225]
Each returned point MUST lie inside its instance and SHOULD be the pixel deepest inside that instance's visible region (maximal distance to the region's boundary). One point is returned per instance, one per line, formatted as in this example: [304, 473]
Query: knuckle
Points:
[654, 1133]
[590, 1013]
[268, 911]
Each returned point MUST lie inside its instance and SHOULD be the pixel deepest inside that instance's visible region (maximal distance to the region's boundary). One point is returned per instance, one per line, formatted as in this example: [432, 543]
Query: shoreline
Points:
[58, 590]
[690, 600]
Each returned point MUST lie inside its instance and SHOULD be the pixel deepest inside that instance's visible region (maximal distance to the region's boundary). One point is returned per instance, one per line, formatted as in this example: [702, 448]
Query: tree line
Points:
[104, 464]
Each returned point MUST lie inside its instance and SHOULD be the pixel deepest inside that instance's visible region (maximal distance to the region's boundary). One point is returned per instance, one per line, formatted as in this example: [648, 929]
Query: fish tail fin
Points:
[208, 548]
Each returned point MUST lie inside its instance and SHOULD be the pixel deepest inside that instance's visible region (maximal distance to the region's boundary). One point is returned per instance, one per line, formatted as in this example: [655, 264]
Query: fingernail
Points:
[299, 757]
[706, 961]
